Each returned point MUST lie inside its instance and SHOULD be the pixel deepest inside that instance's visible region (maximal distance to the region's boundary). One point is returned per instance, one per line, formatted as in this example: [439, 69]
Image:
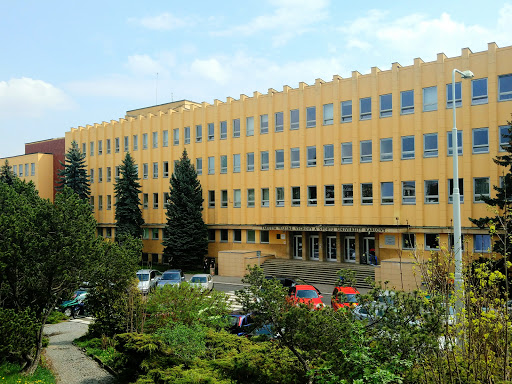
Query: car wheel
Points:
[68, 312]
[76, 312]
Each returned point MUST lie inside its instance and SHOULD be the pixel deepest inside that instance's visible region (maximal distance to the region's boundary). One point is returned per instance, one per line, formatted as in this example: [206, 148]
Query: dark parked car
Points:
[240, 324]
[171, 277]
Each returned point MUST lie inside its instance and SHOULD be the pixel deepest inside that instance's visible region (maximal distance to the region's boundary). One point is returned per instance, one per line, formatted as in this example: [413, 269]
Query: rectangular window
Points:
[431, 241]
[431, 191]
[366, 151]
[295, 196]
[100, 203]
[211, 165]
[223, 164]
[408, 192]
[328, 154]
[481, 188]
[346, 111]
[155, 170]
[91, 174]
[386, 149]
[251, 236]
[279, 121]
[224, 198]
[117, 143]
[84, 148]
[109, 202]
[311, 156]
[312, 195]
[166, 200]
[310, 117]
[365, 108]
[135, 142]
[237, 198]
[155, 233]
[237, 235]
[15, 170]
[211, 199]
[155, 200]
[430, 146]
[33, 171]
[458, 95]
[100, 173]
[108, 146]
[117, 172]
[165, 138]
[450, 143]
[408, 241]
[279, 159]
[211, 131]
[367, 193]
[199, 165]
[429, 99]
[224, 236]
[346, 153]
[250, 197]
[504, 138]
[406, 102]
[263, 124]
[386, 193]
[236, 128]
[481, 140]
[91, 148]
[479, 91]
[109, 174]
[199, 133]
[236, 163]
[294, 119]
[211, 235]
[329, 194]
[295, 157]
[145, 171]
[505, 87]
[144, 141]
[155, 139]
[223, 130]
[482, 243]
[126, 144]
[450, 190]
[176, 136]
[250, 162]
[264, 238]
[264, 161]
[386, 105]
[407, 147]
[100, 147]
[249, 126]
[186, 135]
[328, 114]
[265, 196]
[279, 197]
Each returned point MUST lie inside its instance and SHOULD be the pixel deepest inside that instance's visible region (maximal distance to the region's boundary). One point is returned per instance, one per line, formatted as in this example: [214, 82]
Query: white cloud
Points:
[210, 68]
[144, 64]
[163, 22]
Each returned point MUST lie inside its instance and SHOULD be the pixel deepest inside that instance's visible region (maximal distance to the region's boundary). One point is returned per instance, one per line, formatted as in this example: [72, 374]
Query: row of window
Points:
[481, 243]
[17, 169]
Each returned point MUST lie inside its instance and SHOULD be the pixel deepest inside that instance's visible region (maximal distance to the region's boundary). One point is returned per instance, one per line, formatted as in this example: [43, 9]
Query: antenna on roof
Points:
[156, 90]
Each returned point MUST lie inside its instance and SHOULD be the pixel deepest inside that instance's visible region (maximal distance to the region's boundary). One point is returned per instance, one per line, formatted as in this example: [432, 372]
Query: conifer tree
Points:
[74, 174]
[6, 174]
[127, 189]
[186, 234]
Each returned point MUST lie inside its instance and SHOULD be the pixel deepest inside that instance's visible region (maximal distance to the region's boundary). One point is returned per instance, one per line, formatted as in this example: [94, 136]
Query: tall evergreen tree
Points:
[74, 174]
[6, 174]
[129, 219]
[186, 234]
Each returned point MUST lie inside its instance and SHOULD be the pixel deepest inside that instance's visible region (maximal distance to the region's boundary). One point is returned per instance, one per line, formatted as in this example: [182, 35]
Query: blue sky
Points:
[68, 64]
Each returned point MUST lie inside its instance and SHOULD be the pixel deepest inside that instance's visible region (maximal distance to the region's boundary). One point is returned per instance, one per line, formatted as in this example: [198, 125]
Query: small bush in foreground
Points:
[10, 374]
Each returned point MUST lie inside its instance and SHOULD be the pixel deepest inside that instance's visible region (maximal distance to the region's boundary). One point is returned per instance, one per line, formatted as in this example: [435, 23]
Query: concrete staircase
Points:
[317, 272]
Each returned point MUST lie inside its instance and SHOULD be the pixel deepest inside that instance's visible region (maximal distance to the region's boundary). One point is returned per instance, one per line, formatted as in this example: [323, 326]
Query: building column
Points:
[358, 248]
[339, 248]
[305, 246]
[289, 241]
[321, 248]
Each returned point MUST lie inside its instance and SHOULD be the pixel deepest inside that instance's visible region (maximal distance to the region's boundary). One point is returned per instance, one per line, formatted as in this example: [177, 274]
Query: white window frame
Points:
[480, 148]
[165, 169]
[223, 164]
[386, 199]
[407, 155]
[176, 136]
[144, 141]
[311, 156]
[135, 142]
[237, 198]
[406, 109]
[431, 199]
[328, 155]
[199, 133]
[186, 135]
[430, 152]
[279, 126]
[237, 163]
[430, 99]
[507, 94]
[346, 158]
[211, 198]
[483, 236]
[365, 114]
[155, 170]
[450, 190]
[145, 171]
[312, 195]
[211, 131]
[479, 99]
[279, 158]
[294, 121]
[155, 139]
[264, 161]
[504, 137]
[165, 138]
[250, 161]
[310, 122]
[224, 198]
[386, 112]
[279, 196]
[118, 144]
[236, 128]
[223, 130]
[428, 237]
[477, 198]
[328, 114]
[251, 198]
[458, 90]
[345, 199]
[459, 143]
[346, 117]
[368, 199]
[211, 165]
[199, 165]
[386, 156]
[295, 201]
[409, 198]
[293, 162]
[263, 124]
[365, 157]
[265, 197]
[329, 199]
[249, 126]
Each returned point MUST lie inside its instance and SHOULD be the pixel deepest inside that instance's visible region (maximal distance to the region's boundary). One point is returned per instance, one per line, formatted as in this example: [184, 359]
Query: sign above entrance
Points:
[323, 228]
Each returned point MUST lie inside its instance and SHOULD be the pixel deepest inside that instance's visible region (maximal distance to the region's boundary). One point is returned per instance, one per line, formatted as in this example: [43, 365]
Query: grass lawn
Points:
[9, 374]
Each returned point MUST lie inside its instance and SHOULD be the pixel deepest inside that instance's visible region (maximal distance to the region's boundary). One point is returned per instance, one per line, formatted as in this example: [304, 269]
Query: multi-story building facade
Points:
[352, 170]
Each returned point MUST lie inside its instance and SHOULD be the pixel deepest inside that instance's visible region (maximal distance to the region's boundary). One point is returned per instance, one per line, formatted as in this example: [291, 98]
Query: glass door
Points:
[350, 249]
[331, 248]
[369, 250]
[313, 247]
[297, 247]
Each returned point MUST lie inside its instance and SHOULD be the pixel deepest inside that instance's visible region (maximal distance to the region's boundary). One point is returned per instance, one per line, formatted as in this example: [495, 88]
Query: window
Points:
[21, 170]
[237, 235]
[33, 171]
[505, 87]
[165, 138]
[263, 124]
[186, 135]
[408, 192]
[91, 148]
[348, 194]
[265, 196]
[386, 193]
[199, 165]
[481, 188]
[211, 235]
[91, 174]
[100, 172]
[144, 141]
[155, 200]
[367, 193]
[166, 200]
[211, 131]
[100, 202]
[211, 165]
[482, 243]
[279, 197]
[91, 202]
[431, 241]
[458, 95]
[211, 199]
[346, 153]
[450, 143]
[237, 198]
[431, 191]
[295, 157]
[223, 164]
[430, 148]
[386, 149]
[295, 196]
[386, 105]
[365, 108]
[279, 159]
[224, 198]
[346, 111]
[165, 169]
[100, 147]
[126, 144]
[250, 198]
[264, 164]
[407, 147]
[479, 91]
[15, 170]
[250, 161]
[176, 136]
[329, 194]
[224, 237]
[278, 121]
[109, 202]
[328, 154]
[155, 140]
[311, 156]
[109, 174]
[249, 126]
[312, 195]
[264, 238]
[328, 114]
[406, 102]
[481, 140]
[84, 148]
[408, 240]
[223, 130]
[236, 163]
[450, 190]
[236, 128]
[108, 146]
[366, 151]
[504, 138]
[310, 117]
[155, 170]
[199, 133]
[251, 235]
[429, 99]
[135, 142]
[117, 144]
[294, 119]
[145, 171]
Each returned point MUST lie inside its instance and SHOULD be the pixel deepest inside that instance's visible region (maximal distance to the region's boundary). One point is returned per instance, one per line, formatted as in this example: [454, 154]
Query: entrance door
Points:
[331, 248]
[297, 247]
[350, 249]
[369, 250]
[313, 247]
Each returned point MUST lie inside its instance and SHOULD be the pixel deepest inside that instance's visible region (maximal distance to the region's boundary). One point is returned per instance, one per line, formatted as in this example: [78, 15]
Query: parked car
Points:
[306, 294]
[75, 306]
[344, 297]
[240, 324]
[286, 281]
[203, 281]
[148, 279]
[171, 277]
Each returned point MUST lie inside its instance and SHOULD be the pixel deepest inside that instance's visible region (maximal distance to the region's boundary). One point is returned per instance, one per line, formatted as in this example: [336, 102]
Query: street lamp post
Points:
[457, 246]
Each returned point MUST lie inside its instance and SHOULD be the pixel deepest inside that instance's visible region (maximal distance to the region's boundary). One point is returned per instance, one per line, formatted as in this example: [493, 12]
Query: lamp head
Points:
[467, 74]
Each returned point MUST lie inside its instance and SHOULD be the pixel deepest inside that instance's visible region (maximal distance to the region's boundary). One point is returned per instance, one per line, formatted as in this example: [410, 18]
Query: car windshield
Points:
[347, 298]
[233, 320]
[143, 276]
[171, 276]
[307, 294]
[197, 279]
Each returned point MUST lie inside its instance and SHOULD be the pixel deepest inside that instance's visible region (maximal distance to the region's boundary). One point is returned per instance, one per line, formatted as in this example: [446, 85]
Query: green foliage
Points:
[347, 278]
[127, 188]
[186, 341]
[56, 317]
[185, 234]
[10, 374]
[18, 332]
[74, 174]
[6, 174]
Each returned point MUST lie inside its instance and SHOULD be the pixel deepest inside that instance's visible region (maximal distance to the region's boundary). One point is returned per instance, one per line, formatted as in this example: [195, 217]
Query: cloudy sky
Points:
[67, 64]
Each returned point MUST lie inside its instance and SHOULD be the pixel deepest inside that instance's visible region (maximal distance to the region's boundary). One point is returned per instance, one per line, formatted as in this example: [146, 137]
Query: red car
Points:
[344, 297]
[306, 294]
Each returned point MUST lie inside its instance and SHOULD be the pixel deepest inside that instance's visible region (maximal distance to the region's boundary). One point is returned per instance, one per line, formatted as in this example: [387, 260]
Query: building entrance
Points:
[350, 249]
[369, 250]
[297, 247]
[313, 247]
[331, 248]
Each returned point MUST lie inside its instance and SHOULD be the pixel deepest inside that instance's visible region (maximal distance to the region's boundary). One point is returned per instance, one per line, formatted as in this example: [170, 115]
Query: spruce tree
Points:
[6, 175]
[186, 234]
[74, 174]
[127, 189]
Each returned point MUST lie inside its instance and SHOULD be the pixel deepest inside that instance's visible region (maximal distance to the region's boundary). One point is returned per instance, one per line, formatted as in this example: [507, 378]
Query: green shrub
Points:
[18, 334]
[56, 317]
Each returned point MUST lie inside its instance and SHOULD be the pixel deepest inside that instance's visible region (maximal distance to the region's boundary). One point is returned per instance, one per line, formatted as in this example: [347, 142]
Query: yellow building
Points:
[337, 171]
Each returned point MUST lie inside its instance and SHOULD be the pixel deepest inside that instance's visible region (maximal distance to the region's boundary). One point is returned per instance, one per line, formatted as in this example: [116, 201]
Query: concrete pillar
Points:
[289, 242]
[321, 248]
[305, 246]
[359, 248]
[340, 252]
